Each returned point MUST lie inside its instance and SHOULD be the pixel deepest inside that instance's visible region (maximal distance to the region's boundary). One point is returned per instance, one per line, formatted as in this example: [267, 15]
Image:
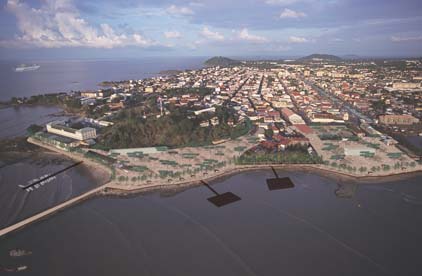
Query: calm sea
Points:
[320, 227]
[68, 75]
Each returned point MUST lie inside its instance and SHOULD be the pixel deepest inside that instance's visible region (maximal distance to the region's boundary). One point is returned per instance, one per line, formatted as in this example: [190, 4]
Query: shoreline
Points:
[108, 187]
[111, 189]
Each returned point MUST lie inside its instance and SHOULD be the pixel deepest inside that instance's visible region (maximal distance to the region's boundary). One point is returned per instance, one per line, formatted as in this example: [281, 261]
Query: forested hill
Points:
[221, 61]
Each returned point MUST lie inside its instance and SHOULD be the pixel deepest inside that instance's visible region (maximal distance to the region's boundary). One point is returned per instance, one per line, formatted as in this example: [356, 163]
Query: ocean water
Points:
[15, 120]
[322, 226]
[68, 75]
[17, 204]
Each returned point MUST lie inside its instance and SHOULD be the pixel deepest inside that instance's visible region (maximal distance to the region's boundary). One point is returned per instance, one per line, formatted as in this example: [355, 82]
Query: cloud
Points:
[288, 13]
[207, 33]
[245, 35]
[176, 10]
[281, 2]
[172, 34]
[58, 24]
[297, 39]
[406, 38]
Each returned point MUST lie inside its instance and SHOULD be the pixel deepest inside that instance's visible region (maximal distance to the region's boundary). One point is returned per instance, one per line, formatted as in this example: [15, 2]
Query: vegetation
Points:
[295, 154]
[321, 56]
[58, 99]
[174, 130]
[222, 62]
[32, 129]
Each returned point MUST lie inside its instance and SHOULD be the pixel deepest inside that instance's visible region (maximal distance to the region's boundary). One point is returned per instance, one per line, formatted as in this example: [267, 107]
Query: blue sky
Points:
[131, 28]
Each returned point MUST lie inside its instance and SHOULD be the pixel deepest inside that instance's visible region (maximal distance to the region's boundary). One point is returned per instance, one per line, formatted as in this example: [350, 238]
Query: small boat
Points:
[22, 267]
[19, 253]
[14, 269]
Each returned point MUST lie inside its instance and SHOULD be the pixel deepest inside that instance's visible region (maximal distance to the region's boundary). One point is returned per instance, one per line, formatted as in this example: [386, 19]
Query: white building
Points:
[77, 134]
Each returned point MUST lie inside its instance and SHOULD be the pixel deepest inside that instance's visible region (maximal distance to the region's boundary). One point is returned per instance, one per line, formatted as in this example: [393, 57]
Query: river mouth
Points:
[321, 226]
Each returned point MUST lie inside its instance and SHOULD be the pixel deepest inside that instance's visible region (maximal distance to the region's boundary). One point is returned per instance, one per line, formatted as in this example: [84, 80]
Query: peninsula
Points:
[328, 115]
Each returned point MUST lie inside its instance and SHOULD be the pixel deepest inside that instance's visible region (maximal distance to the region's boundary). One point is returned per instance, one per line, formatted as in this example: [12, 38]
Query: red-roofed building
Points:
[304, 129]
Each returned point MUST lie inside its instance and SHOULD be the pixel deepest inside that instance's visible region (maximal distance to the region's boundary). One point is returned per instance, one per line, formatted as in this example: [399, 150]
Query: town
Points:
[354, 117]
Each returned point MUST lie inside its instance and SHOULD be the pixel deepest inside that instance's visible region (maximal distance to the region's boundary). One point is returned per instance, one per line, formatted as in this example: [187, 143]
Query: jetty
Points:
[43, 179]
[50, 211]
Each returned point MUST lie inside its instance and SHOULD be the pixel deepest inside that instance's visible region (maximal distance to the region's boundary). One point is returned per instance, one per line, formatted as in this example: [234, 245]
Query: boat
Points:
[19, 253]
[25, 67]
[14, 269]
[21, 268]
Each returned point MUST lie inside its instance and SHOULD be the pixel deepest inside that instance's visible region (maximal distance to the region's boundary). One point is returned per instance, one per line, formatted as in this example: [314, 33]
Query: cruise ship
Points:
[24, 67]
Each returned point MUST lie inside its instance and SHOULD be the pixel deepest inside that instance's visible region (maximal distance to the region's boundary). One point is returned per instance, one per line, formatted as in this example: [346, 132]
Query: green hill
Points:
[320, 57]
[221, 61]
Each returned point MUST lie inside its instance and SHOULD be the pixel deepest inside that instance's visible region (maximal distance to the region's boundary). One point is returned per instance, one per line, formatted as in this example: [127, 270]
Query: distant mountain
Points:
[221, 61]
[320, 57]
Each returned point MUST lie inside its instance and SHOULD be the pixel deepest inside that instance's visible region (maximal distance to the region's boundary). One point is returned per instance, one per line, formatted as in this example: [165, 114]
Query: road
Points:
[340, 102]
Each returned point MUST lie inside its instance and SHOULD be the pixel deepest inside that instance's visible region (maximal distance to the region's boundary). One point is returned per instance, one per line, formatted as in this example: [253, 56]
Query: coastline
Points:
[112, 187]
[95, 168]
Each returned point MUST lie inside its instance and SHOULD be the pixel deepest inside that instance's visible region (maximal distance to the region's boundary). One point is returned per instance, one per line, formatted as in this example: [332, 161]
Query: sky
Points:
[141, 28]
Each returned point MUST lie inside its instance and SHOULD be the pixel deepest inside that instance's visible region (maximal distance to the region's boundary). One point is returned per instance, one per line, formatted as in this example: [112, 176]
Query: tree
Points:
[269, 133]
[32, 129]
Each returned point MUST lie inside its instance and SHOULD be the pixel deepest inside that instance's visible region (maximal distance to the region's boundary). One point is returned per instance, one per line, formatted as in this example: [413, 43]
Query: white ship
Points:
[24, 67]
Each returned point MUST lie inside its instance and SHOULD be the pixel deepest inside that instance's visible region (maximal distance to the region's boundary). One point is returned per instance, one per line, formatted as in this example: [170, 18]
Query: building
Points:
[397, 119]
[406, 85]
[293, 118]
[82, 134]
[96, 94]
[284, 142]
[325, 118]
[149, 89]
[206, 110]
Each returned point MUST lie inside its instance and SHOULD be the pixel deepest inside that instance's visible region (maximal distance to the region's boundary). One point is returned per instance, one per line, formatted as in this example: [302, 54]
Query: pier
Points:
[48, 212]
[27, 187]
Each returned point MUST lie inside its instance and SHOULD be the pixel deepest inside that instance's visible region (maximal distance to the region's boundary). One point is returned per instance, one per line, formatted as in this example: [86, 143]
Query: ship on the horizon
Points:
[24, 67]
